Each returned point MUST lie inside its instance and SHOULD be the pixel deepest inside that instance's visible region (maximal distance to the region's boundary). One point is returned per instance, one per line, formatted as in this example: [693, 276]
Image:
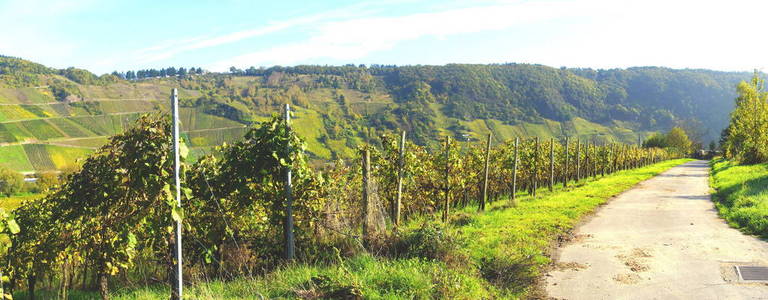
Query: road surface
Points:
[660, 240]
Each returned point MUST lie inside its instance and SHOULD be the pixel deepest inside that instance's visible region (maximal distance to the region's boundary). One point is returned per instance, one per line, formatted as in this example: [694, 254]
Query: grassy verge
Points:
[741, 196]
[496, 254]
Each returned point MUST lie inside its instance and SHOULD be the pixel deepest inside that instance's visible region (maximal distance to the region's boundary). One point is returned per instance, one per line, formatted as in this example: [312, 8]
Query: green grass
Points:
[15, 158]
[370, 276]
[741, 195]
[506, 251]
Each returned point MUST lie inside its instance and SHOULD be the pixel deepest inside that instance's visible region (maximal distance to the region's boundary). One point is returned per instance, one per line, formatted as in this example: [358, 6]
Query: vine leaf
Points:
[13, 226]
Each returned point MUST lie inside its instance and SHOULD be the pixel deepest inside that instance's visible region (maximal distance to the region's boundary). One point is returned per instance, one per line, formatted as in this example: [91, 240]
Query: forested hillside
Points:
[51, 117]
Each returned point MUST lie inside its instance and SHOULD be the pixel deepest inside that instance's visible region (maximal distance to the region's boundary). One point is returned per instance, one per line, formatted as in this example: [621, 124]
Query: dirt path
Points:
[660, 240]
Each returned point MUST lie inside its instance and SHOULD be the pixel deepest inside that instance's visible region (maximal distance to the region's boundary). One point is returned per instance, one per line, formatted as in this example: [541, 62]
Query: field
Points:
[741, 196]
[39, 157]
[65, 157]
[212, 137]
[309, 125]
[14, 157]
[70, 128]
[42, 129]
[14, 112]
[506, 238]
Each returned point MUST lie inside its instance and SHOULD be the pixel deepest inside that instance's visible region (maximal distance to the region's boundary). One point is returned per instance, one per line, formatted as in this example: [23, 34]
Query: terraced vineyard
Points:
[39, 133]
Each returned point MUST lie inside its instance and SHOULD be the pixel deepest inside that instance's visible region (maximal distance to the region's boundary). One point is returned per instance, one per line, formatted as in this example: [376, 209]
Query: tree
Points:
[678, 140]
[46, 181]
[657, 140]
[236, 71]
[11, 182]
[747, 133]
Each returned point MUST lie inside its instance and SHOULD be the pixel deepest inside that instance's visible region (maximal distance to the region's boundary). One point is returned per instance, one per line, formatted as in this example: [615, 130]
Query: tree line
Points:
[163, 72]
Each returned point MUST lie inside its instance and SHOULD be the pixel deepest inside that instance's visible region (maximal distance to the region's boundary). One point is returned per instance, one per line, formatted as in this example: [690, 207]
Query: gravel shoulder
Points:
[662, 239]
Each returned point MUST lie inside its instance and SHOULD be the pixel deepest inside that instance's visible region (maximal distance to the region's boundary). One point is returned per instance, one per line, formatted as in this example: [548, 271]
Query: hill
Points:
[51, 117]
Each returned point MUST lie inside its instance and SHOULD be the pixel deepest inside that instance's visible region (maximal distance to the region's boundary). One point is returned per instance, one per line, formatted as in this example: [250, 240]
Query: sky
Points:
[107, 35]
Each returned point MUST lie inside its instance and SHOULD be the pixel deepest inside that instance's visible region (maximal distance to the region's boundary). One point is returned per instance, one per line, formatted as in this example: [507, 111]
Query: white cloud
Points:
[678, 34]
[356, 38]
[604, 34]
[172, 48]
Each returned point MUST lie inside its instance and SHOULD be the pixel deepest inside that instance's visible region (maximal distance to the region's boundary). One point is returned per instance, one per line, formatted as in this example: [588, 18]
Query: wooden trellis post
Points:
[551, 184]
[566, 169]
[535, 175]
[578, 160]
[604, 149]
[485, 178]
[595, 160]
[613, 157]
[400, 166]
[446, 202]
[366, 192]
[514, 171]
[625, 153]
[587, 160]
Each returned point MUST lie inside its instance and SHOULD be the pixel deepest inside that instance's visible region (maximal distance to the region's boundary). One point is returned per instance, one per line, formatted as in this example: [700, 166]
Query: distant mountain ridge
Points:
[48, 116]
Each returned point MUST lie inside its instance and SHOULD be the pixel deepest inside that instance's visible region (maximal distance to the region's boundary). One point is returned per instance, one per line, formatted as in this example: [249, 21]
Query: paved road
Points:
[660, 240]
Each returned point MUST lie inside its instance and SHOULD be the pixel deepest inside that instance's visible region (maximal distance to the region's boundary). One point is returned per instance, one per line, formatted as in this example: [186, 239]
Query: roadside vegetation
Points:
[741, 195]
[740, 177]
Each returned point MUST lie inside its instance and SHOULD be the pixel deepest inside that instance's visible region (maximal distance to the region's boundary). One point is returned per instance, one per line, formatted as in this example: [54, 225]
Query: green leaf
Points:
[177, 214]
[183, 150]
[13, 226]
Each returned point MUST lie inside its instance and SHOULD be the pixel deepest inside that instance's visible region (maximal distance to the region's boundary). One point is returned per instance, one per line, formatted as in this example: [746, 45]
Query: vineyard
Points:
[109, 224]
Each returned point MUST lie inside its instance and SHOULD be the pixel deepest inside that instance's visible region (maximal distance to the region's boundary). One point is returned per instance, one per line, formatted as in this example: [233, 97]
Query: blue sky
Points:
[107, 35]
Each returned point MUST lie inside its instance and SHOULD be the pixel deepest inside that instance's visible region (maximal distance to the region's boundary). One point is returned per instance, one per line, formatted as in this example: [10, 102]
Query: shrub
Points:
[11, 182]
[430, 241]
